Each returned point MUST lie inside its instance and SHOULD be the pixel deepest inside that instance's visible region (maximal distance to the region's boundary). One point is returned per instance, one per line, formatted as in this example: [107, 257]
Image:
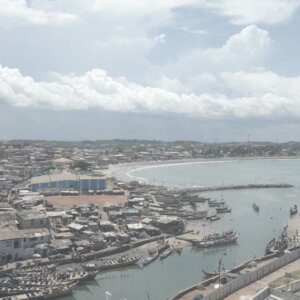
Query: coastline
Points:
[121, 170]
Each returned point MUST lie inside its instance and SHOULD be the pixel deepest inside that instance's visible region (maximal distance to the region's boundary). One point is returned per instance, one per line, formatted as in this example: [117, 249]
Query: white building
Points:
[19, 244]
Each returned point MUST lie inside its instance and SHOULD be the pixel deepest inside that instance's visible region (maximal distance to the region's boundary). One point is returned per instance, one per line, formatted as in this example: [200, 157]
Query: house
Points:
[19, 244]
[169, 224]
[32, 219]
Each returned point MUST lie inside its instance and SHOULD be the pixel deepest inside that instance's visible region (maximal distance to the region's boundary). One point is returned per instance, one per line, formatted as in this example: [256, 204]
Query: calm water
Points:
[161, 280]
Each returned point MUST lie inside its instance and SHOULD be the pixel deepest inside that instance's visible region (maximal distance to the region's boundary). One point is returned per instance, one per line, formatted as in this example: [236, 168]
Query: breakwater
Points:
[236, 187]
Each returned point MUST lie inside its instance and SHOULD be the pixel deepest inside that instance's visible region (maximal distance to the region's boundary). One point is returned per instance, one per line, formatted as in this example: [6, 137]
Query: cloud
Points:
[18, 12]
[142, 7]
[97, 90]
[255, 11]
[239, 12]
[245, 50]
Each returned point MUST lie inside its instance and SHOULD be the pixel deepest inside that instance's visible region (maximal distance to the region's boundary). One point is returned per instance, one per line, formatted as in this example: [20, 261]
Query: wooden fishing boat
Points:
[209, 274]
[223, 209]
[255, 207]
[120, 262]
[91, 266]
[213, 203]
[148, 260]
[214, 240]
[165, 254]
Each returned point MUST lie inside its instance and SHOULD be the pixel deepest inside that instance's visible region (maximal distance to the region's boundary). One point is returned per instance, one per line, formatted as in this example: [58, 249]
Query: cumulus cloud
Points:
[255, 11]
[96, 89]
[197, 69]
[13, 12]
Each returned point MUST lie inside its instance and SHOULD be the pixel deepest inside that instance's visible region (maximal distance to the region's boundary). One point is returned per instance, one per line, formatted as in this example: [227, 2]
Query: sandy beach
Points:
[121, 170]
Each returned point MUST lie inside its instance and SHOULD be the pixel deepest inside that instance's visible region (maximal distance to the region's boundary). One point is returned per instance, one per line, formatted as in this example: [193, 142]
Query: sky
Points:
[206, 70]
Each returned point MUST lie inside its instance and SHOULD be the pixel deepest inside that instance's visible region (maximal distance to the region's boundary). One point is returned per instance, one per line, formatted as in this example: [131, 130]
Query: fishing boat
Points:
[213, 203]
[223, 209]
[279, 245]
[160, 248]
[120, 262]
[50, 267]
[213, 240]
[214, 218]
[165, 254]
[37, 294]
[77, 276]
[148, 260]
[270, 246]
[294, 210]
[198, 215]
[91, 267]
[255, 207]
[58, 292]
[210, 274]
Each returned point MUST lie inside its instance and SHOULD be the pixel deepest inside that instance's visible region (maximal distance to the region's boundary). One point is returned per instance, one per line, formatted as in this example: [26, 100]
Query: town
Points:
[64, 219]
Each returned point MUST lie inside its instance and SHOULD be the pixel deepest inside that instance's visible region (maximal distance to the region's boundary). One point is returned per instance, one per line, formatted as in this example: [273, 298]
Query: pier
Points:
[236, 187]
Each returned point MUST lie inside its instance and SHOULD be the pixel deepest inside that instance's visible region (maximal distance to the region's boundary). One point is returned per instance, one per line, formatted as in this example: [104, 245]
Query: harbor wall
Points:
[241, 282]
[253, 276]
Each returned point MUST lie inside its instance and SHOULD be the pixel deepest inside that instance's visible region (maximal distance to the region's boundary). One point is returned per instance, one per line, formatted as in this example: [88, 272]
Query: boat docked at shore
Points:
[214, 203]
[149, 259]
[223, 209]
[123, 261]
[278, 245]
[166, 253]
[197, 215]
[33, 293]
[213, 240]
[210, 274]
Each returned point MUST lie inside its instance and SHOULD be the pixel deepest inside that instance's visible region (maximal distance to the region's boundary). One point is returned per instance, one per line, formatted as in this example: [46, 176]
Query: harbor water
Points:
[162, 279]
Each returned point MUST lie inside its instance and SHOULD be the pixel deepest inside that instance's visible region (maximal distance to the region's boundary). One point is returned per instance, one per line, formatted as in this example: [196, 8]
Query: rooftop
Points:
[62, 176]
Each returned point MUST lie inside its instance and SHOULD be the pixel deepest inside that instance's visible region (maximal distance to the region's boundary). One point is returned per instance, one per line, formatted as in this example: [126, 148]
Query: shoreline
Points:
[122, 170]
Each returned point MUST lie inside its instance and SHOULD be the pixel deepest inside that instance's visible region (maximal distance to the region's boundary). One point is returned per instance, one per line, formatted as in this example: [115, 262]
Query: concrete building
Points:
[19, 244]
[67, 180]
[32, 219]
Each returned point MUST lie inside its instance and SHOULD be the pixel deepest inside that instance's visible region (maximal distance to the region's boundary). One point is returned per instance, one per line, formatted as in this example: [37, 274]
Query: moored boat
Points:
[214, 240]
[223, 209]
[148, 260]
[120, 262]
[294, 210]
[165, 254]
[255, 207]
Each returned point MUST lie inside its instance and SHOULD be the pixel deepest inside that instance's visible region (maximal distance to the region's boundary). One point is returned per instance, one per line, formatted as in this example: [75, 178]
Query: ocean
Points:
[161, 280]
